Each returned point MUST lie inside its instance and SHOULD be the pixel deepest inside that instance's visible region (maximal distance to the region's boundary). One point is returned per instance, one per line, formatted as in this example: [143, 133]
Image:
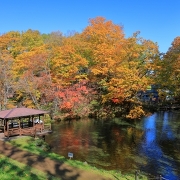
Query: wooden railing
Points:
[138, 176]
[47, 127]
[40, 128]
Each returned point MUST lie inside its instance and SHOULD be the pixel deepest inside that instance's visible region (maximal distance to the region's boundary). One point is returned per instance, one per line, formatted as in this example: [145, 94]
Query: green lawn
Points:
[14, 170]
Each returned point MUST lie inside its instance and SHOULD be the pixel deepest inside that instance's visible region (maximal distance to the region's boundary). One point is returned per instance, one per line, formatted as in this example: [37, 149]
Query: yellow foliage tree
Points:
[169, 73]
[32, 75]
[7, 42]
[121, 67]
[66, 64]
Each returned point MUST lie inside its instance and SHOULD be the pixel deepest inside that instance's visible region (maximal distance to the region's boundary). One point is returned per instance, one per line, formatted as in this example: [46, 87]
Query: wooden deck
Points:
[23, 121]
[169, 107]
[38, 129]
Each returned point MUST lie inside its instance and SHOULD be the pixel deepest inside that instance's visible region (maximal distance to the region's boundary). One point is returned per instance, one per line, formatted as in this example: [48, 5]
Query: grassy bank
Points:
[39, 147]
[11, 169]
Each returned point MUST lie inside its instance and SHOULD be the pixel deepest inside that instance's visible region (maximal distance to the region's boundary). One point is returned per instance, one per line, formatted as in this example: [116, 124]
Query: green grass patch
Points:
[11, 169]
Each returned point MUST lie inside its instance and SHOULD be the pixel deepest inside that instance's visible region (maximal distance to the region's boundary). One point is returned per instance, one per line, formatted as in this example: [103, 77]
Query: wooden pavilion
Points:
[23, 121]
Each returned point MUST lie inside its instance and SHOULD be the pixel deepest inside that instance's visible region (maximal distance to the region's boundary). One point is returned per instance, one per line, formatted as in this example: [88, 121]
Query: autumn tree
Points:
[7, 42]
[25, 41]
[53, 39]
[139, 70]
[66, 63]
[75, 99]
[169, 75]
[99, 67]
[120, 67]
[33, 79]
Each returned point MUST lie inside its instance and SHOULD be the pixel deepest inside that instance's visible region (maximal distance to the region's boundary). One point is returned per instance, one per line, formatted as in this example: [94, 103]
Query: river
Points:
[151, 145]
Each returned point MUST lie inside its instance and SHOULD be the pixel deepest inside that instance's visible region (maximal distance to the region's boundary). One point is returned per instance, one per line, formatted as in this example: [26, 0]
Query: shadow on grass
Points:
[11, 170]
[50, 167]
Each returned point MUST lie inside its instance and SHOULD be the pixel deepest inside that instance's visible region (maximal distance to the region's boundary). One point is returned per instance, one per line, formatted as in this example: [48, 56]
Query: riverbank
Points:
[53, 168]
[50, 167]
[47, 165]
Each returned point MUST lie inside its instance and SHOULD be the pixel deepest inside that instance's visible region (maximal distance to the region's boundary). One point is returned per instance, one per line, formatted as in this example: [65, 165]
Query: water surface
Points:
[151, 145]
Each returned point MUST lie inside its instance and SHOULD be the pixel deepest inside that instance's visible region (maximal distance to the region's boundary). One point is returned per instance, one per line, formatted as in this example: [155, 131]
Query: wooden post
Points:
[4, 130]
[43, 138]
[136, 175]
[33, 121]
[7, 128]
[50, 127]
[22, 124]
[34, 132]
[19, 121]
[43, 122]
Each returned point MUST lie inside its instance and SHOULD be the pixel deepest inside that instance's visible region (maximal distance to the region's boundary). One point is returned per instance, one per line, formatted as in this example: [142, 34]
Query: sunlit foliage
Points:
[49, 70]
[169, 75]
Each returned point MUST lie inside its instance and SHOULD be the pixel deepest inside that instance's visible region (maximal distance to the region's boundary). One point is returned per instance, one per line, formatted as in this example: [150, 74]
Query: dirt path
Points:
[51, 167]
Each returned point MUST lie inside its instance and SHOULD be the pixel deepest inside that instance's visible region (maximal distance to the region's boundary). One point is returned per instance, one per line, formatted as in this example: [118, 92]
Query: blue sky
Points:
[157, 20]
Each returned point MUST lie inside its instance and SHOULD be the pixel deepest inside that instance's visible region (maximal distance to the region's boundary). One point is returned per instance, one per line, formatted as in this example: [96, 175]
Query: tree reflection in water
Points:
[115, 145]
[158, 160]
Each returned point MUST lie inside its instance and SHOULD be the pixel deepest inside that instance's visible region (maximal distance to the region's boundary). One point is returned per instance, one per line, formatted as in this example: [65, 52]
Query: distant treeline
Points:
[98, 72]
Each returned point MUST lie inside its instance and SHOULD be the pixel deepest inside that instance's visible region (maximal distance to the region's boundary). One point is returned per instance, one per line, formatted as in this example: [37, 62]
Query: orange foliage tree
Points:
[7, 42]
[32, 74]
[51, 69]
[120, 67]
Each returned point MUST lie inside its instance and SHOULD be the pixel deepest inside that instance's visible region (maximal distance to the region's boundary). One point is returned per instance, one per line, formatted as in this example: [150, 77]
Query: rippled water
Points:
[151, 145]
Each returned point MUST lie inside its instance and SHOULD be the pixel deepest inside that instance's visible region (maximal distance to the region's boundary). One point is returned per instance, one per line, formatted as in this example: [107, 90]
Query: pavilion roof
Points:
[20, 112]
